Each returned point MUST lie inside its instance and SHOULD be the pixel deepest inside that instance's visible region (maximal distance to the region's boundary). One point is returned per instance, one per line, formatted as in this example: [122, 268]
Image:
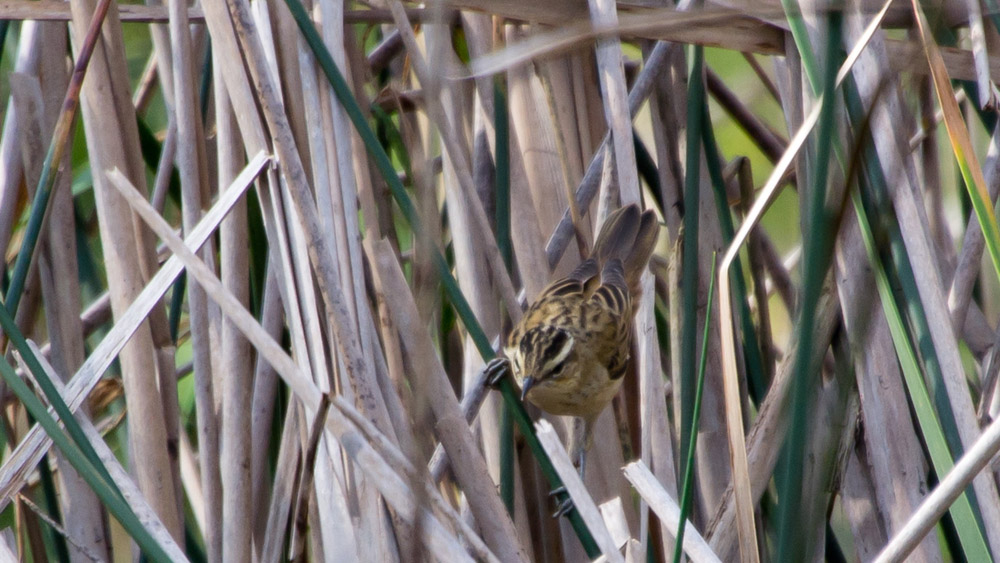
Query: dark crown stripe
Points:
[555, 345]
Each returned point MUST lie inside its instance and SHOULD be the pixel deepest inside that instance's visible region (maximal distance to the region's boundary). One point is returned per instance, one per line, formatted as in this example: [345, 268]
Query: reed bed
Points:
[258, 255]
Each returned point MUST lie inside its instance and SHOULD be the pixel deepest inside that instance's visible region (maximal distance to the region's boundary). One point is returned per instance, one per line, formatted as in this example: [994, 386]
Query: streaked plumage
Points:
[570, 350]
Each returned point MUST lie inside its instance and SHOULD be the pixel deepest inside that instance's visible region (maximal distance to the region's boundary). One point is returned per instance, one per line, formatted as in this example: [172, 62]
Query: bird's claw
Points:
[565, 505]
[564, 508]
[496, 370]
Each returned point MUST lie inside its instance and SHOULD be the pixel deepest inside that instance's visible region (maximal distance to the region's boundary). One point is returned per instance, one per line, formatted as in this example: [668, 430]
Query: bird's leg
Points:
[583, 437]
[583, 433]
[496, 370]
[578, 446]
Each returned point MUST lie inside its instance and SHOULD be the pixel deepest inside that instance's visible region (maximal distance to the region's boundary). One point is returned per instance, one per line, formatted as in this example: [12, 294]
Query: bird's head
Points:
[541, 356]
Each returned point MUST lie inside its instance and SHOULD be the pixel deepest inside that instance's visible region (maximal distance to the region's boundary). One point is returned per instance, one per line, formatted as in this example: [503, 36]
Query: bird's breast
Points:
[583, 394]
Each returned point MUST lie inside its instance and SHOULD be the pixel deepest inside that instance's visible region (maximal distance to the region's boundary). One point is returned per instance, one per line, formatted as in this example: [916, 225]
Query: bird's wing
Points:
[556, 303]
[610, 307]
[617, 234]
[613, 294]
[576, 282]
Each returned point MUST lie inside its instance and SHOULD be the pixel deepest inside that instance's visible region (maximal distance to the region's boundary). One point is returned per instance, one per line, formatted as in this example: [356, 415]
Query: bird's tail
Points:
[629, 236]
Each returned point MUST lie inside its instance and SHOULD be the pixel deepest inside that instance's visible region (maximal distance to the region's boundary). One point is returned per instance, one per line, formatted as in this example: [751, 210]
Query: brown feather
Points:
[630, 237]
[572, 345]
[617, 234]
[641, 249]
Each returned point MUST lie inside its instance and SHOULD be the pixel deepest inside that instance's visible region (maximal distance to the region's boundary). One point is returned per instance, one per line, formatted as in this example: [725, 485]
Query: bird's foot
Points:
[565, 506]
[496, 370]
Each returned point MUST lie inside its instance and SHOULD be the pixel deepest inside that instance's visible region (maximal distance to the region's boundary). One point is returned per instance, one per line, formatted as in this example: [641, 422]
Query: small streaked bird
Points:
[570, 350]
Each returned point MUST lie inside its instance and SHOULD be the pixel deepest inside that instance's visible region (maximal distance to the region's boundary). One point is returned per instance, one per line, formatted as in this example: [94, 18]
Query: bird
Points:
[570, 350]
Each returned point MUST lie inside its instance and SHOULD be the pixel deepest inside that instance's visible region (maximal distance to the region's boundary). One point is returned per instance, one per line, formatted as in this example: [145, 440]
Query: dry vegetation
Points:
[264, 250]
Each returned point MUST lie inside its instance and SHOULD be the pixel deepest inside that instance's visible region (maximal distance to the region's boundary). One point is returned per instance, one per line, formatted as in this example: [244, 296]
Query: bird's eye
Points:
[556, 370]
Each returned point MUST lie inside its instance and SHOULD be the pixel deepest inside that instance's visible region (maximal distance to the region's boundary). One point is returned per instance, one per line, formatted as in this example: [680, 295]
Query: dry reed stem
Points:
[734, 414]
[180, 93]
[356, 370]
[667, 111]
[557, 242]
[767, 434]
[53, 10]
[239, 381]
[931, 175]
[634, 553]
[656, 442]
[977, 35]
[618, 117]
[615, 96]
[165, 168]
[455, 143]
[893, 151]
[304, 489]
[892, 445]
[733, 30]
[16, 468]
[952, 485]
[712, 458]
[315, 133]
[582, 501]
[733, 403]
[473, 398]
[57, 268]
[341, 545]
[28, 62]
[265, 394]
[225, 48]
[285, 473]
[669, 513]
[342, 197]
[202, 274]
[191, 480]
[428, 374]
[527, 238]
[557, 82]
[318, 246]
[967, 267]
[396, 459]
[537, 136]
[340, 421]
[862, 515]
[472, 272]
[613, 514]
[113, 141]
[130, 491]
[713, 27]
[47, 10]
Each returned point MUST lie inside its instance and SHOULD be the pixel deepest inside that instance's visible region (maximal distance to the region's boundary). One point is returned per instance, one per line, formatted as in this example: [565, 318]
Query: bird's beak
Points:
[529, 382]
